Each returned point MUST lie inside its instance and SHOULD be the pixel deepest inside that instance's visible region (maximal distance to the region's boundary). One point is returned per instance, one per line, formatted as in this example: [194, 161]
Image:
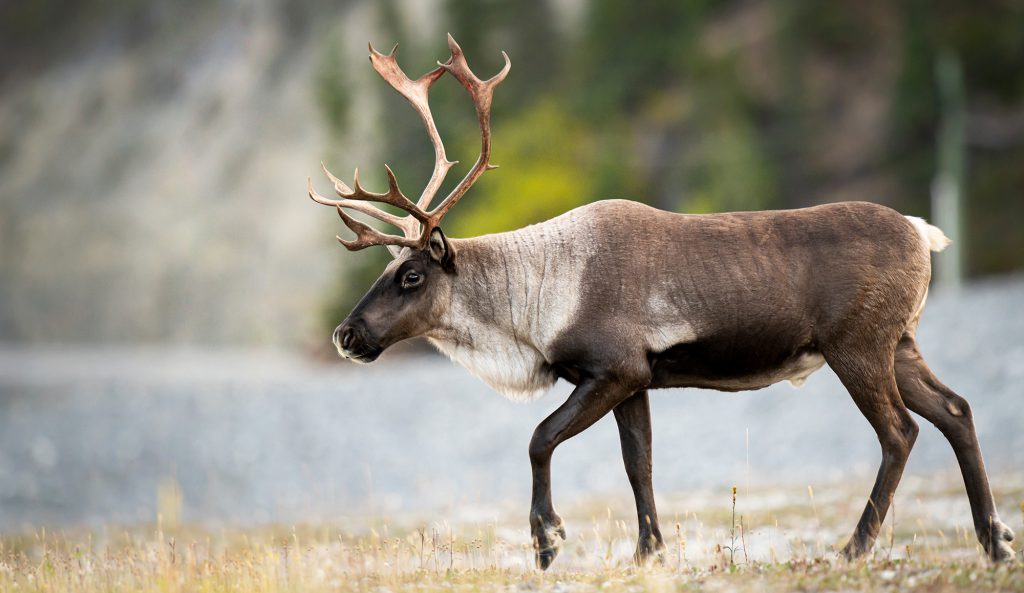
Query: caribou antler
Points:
[418, 223]
[482, 93]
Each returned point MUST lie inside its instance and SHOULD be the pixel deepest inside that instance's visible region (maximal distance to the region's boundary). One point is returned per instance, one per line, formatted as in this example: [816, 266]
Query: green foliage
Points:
[731, 171]
[545, 158]
[989, 38]
[914, 113]
[629, 49]
[840, 30]
[729, 166]
[525, 29]
[994, 248]
[332, 82]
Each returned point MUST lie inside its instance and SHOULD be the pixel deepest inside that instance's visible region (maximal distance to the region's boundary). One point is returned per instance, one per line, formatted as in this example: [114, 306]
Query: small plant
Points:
[680, 546]
[732, 533]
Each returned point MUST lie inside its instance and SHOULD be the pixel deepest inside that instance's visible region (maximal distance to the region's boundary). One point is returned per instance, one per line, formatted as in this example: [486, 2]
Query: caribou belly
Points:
[688, 365]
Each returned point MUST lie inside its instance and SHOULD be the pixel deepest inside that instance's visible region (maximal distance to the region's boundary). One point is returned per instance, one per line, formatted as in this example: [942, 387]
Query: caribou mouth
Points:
[363, 356]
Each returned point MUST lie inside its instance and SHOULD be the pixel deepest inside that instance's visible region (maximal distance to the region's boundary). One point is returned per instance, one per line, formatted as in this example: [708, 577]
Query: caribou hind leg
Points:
[634, 419]
[869, 377]
[951, 414]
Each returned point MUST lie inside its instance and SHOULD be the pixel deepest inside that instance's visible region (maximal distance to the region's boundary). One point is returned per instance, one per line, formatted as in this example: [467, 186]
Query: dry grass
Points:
[786, 543]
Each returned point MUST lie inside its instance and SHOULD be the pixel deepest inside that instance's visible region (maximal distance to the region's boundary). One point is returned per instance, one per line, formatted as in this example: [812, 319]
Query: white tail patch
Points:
[933, 236]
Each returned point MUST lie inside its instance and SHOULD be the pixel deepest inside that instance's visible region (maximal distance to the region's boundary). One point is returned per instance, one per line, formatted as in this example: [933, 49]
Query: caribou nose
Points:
[347, 336]
[344, 336]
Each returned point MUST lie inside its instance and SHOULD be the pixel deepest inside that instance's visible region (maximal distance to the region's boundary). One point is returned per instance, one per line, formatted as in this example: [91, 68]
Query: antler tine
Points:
[415, 92]
[393, 196]
[482, 93]
[409, 227]
[339, 186]
[357, 199]
[367, 236]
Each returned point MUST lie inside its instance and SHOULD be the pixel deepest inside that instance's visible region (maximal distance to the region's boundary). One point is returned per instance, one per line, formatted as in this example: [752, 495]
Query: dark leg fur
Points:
[634, 419]
[869, 378]
[591, 400]
[951, 414]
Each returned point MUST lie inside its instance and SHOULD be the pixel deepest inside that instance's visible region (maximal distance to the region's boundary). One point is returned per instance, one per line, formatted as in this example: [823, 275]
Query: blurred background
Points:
[167, 291]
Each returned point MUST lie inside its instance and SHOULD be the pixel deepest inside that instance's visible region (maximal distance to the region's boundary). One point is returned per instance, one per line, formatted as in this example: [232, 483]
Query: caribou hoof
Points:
[548, 538]
[545, 557]
[854, 549]
[651, 554]
[1000, 537]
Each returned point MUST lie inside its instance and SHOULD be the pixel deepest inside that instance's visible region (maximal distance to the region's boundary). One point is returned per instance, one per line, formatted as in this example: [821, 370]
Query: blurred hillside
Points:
[153, 154]
[152, 168]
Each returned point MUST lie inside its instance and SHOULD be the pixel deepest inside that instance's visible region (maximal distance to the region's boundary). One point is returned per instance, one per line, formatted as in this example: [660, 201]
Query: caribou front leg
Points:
[592, 399]
[634, 419]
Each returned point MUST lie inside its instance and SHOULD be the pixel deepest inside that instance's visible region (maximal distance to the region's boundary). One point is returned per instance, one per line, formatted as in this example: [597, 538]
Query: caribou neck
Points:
[499, 288]
[511, 297]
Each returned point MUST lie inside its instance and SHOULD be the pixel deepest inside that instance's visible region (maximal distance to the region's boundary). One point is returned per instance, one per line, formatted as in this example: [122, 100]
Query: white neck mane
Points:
[515, 296]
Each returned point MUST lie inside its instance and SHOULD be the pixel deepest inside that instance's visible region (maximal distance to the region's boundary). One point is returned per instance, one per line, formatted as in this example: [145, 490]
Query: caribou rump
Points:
[618, 298]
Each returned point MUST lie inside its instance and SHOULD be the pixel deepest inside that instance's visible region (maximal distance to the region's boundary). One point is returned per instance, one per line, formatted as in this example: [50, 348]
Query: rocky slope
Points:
[152, 176]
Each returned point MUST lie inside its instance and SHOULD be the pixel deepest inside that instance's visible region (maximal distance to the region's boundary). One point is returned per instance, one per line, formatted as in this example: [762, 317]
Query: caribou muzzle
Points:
[354, 341]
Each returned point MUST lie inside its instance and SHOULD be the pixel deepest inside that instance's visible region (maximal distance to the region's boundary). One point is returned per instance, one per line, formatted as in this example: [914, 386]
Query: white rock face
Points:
[152, 186]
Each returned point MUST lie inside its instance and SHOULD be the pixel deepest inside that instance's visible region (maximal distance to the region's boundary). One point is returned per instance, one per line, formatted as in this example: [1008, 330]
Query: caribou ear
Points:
[441, 250]
[394, 250]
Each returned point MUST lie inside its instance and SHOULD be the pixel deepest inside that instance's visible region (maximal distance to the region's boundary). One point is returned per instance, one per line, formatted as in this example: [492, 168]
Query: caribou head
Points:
[401, 303]
[403, 299]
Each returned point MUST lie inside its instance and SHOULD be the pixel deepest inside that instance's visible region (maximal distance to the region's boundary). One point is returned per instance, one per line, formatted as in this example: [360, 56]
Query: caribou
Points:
[619, 298]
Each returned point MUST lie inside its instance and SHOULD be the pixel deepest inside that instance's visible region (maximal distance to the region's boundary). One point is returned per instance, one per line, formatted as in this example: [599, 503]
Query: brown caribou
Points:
[618, 298]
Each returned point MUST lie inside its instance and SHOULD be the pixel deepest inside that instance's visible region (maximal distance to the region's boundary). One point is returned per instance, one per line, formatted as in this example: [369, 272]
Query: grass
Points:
[780, 539]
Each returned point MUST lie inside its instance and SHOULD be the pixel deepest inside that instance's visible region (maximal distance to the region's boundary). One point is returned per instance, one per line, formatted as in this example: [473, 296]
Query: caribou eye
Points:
[412, 279]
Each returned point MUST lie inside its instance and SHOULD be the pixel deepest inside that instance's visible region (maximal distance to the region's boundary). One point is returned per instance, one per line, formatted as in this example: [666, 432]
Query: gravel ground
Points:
[93, 436]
